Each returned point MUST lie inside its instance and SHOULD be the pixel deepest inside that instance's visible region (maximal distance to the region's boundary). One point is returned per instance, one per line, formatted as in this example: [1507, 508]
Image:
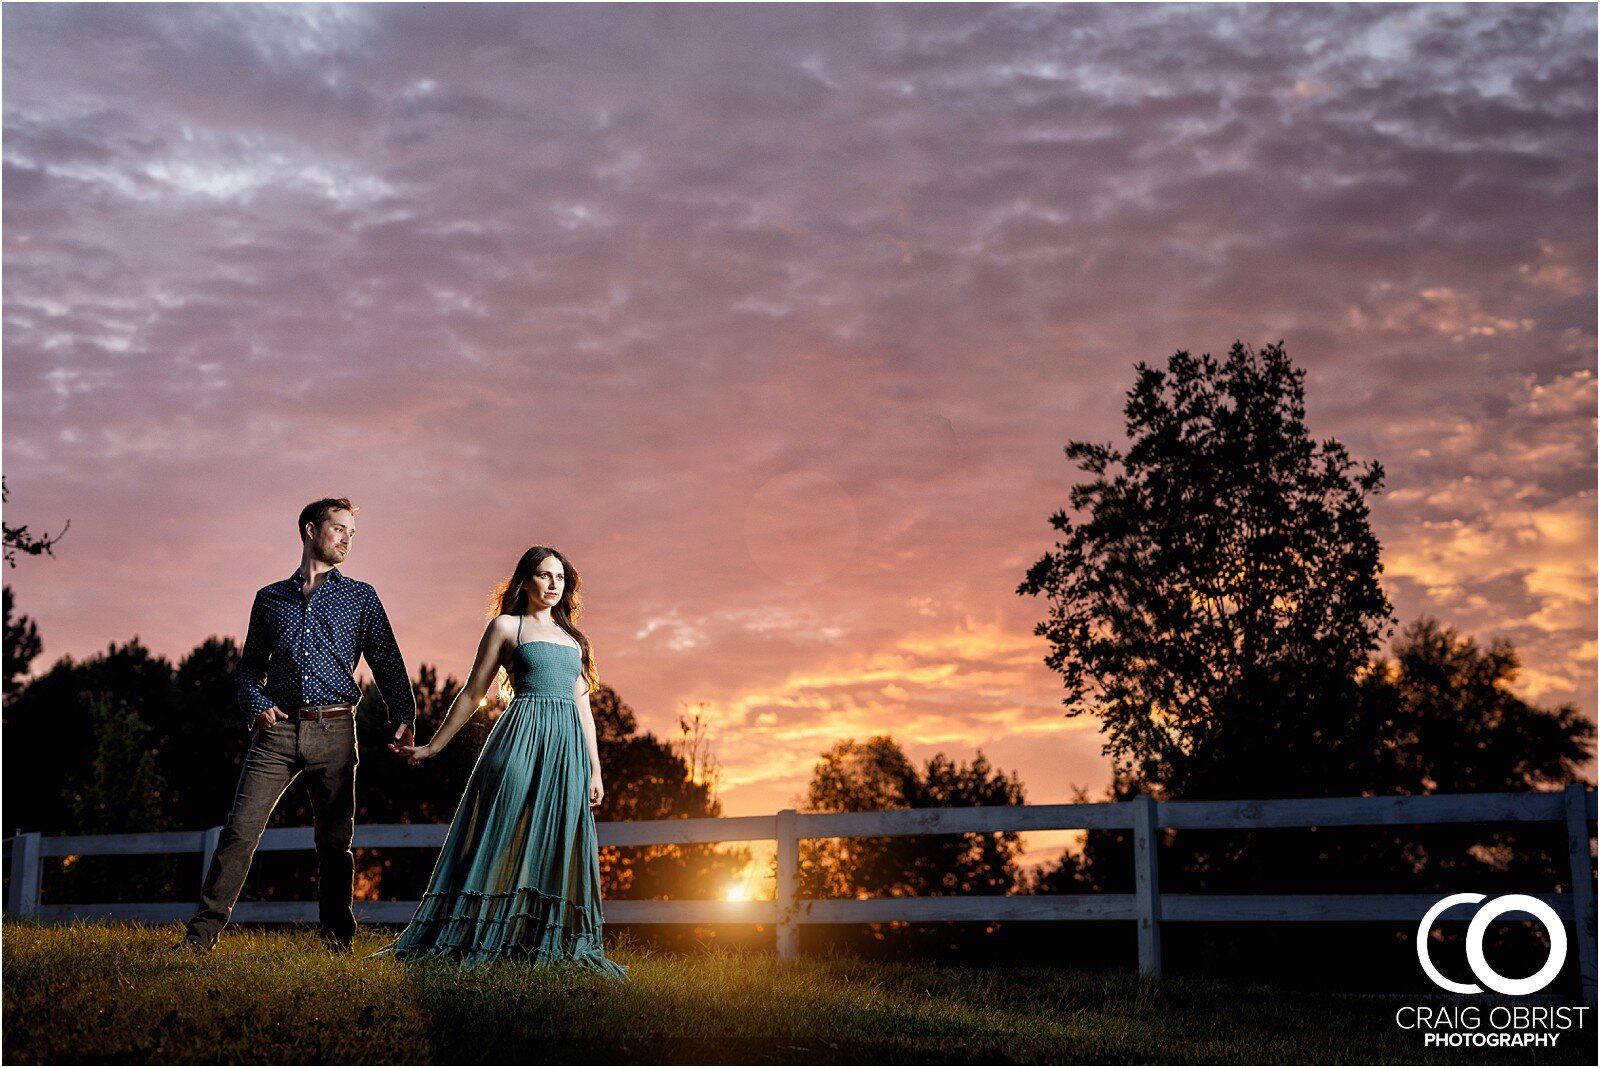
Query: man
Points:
[297, 693]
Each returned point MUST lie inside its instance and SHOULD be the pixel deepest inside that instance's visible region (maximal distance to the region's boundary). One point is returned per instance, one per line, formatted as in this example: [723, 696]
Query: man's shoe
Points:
[193, 944]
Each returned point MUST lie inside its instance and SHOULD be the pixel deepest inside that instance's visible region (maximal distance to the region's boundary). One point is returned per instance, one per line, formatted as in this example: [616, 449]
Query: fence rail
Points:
[1147, 906]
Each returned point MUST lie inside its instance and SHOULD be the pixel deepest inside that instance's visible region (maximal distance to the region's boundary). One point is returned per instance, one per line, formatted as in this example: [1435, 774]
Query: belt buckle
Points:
[317, 712]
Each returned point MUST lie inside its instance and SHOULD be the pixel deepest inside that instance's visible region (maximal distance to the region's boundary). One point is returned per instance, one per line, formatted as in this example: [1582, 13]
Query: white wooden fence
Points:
[1144, 817]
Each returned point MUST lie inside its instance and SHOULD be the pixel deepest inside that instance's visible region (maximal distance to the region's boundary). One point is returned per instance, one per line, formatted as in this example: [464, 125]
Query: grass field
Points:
[114, 994]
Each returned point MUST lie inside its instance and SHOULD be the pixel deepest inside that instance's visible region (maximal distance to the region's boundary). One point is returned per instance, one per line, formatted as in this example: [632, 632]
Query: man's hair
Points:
[315, 512]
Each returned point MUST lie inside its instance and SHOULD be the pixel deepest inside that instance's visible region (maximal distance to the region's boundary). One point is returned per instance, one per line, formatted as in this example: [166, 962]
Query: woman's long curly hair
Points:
[510, 598]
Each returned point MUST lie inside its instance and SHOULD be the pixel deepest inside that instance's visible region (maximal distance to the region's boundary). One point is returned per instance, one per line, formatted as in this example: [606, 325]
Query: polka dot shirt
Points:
[301, 652]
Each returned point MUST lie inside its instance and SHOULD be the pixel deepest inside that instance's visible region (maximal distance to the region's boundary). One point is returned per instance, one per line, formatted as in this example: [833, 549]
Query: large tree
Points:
[1215, 593]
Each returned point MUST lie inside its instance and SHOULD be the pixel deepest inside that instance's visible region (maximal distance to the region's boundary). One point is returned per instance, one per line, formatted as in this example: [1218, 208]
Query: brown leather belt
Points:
[323, 711]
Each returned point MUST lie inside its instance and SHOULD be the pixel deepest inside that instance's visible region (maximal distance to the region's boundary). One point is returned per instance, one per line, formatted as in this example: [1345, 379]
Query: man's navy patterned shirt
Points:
[301, 652]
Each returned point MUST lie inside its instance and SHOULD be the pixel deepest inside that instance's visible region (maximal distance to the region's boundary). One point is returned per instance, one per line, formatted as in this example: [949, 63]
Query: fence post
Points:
[24, 903]
[788, 888]
[1583, 917]
[208, 848]
[1146, 887]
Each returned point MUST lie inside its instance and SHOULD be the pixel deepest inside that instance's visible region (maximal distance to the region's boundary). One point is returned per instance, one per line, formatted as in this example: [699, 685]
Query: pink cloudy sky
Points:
[776, 319]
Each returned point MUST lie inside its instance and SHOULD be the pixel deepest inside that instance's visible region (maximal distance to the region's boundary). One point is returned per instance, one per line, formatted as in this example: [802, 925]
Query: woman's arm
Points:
[491, 651]
[580, 694]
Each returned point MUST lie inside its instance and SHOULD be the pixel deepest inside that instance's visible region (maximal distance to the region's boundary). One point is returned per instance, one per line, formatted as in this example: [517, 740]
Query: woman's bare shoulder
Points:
[501, 626]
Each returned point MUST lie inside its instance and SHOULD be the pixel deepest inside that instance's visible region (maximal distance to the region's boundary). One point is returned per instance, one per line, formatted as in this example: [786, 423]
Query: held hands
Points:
[404, 745]
[414, 754]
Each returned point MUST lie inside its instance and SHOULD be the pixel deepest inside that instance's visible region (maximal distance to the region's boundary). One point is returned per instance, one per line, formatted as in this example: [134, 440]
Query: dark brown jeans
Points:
[325, 752]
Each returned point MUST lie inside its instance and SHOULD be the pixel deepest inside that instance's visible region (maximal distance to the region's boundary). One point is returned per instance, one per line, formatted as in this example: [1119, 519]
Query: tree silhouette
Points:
[1438, 715]
[393, 791]
[646, 779]
[22, 646]
[201, 743]
[876, 775]
[860, 777]
[50, 730]
[123, 741]
[1435, 715]
[22, 635]
[969, 863]
[1215, 601]
[1218, 593]
[123, 792]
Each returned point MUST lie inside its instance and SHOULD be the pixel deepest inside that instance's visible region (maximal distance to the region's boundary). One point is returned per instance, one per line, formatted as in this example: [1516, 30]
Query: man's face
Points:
[331, 541]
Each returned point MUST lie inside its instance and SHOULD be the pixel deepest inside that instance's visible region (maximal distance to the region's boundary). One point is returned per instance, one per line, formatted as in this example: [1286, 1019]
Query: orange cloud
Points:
[1437, 310]
[956, 688]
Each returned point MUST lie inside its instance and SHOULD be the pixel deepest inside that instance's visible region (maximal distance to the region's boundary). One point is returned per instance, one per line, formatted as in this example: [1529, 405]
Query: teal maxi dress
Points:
[519, 874]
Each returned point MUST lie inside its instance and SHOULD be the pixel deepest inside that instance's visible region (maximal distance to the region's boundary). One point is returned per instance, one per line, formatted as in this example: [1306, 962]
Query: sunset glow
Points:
[775, 319]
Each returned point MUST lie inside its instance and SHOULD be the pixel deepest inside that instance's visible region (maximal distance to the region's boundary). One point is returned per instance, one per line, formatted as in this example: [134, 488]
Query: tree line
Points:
[127, 741]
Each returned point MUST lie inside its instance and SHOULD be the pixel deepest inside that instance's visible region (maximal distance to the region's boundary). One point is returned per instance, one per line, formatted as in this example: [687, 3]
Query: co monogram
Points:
[1475, 932]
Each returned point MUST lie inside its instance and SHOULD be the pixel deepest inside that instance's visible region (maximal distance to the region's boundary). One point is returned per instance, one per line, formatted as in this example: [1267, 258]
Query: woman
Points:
[519, 875]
